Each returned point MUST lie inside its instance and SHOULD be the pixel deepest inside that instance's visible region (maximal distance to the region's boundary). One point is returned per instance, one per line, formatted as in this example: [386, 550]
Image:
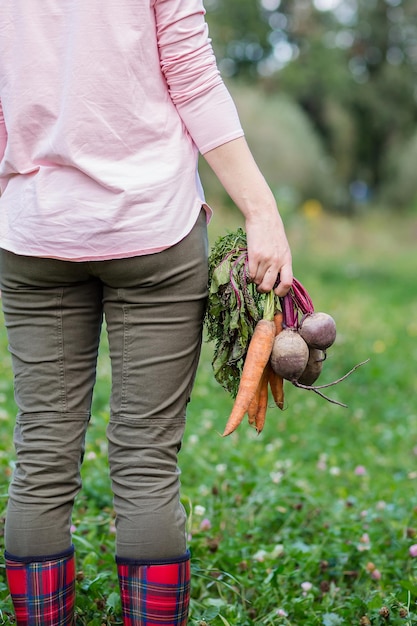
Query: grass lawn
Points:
[312, 521]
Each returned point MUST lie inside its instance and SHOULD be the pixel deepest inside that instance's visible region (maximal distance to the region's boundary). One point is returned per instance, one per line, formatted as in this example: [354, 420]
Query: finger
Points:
[285, 281]
[267, 281]
[255, 269]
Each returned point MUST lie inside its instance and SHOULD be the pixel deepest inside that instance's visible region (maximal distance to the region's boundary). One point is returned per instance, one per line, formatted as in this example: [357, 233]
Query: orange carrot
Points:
[278, 322]
[276, 384]
[253, 406]
[257, 357]
[262, 401]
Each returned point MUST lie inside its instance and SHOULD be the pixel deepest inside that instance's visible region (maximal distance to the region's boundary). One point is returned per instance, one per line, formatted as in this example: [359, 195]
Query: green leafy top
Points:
[234, 308]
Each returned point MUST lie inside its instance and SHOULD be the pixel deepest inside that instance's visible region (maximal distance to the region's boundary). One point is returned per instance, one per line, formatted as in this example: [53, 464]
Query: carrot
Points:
[278, 317]
[253, 406]
[276, 384]
[262, 401]
[257, 357]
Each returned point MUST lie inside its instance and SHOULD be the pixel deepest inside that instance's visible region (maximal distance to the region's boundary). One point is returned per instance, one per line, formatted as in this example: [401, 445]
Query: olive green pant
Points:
[153, 306]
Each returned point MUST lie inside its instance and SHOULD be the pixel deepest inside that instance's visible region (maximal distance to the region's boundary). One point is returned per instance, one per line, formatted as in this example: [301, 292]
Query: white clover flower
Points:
[260, 555]
[199, 510]
[306, 586]
[277, 551]
[276, 477]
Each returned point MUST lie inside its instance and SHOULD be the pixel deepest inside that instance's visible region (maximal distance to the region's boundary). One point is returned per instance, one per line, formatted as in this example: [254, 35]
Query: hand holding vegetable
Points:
[256, 345]
[267, 246]
[269, 253]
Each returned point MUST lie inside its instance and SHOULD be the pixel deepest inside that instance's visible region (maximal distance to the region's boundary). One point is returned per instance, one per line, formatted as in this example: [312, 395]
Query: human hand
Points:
[269, 254]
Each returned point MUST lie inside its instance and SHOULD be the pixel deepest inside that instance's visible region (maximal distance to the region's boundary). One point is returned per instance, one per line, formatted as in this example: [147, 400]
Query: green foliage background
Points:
[352, 72]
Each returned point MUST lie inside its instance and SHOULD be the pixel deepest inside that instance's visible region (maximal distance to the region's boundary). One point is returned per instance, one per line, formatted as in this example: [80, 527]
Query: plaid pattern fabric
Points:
[155, 595]
[42, 591]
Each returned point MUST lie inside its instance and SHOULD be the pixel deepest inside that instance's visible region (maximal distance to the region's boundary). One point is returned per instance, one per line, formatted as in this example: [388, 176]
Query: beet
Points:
[318, 330]
[313, 367]
[289, 355]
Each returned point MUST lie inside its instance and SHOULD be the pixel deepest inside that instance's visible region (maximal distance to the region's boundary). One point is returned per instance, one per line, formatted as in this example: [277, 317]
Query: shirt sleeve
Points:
[190, 69]
[3, 133]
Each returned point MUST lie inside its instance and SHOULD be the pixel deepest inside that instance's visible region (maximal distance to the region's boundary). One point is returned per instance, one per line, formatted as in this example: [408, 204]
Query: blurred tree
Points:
[350, 64]
[383, 63]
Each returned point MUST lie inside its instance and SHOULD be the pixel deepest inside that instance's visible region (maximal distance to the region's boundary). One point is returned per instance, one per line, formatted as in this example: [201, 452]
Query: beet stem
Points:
[319, 393]
[316, 388]
[335, 382]
[302, 298]
[289, 313]
[232, 279]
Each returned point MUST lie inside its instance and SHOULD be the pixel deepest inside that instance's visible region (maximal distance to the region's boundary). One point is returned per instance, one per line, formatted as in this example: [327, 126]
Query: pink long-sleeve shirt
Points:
[104, 107]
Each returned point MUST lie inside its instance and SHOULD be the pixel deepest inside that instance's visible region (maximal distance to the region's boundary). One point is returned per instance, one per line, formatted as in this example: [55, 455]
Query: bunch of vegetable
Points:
[261, 340]
[300, 350]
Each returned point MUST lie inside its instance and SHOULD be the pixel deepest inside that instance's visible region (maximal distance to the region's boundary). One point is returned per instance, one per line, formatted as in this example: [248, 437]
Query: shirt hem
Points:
[10, 247]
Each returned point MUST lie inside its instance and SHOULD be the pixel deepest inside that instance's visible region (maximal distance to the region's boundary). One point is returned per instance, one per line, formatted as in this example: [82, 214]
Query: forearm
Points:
[236, 169]
[269, 253]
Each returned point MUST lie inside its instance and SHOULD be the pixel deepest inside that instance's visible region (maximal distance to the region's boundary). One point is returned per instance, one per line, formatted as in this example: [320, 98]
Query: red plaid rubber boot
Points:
[155, 593]
[42, 589]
